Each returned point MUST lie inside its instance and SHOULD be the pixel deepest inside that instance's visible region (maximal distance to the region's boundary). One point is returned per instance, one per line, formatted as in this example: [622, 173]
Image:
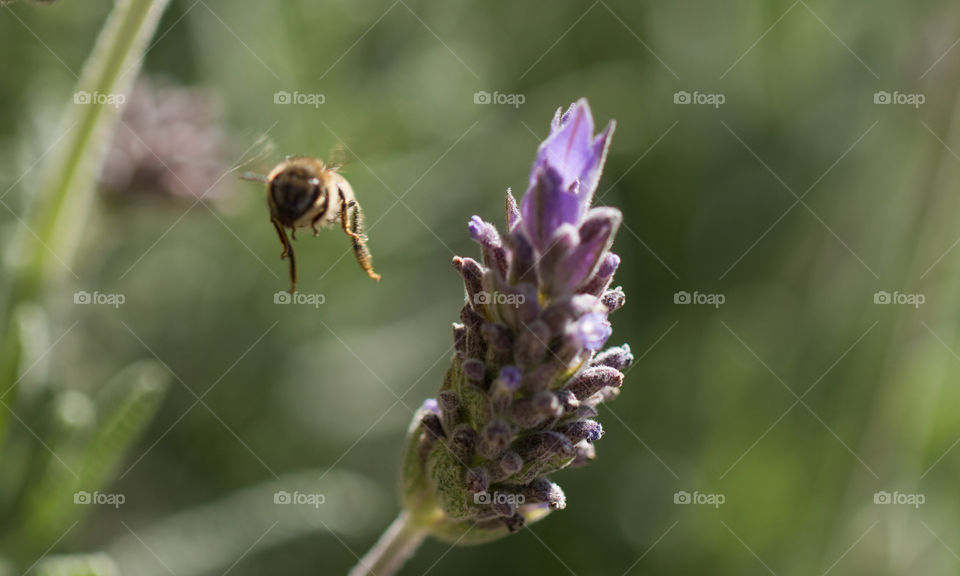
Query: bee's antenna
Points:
[254, 177]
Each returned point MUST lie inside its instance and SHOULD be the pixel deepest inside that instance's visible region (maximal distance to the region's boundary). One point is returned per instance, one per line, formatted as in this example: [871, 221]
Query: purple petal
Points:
[482, 232]
[609, 265]
[546, 206]
[596, 236]
[430, 406]
[511, 376]
[593, 330]
[572, 149]
[601, 280]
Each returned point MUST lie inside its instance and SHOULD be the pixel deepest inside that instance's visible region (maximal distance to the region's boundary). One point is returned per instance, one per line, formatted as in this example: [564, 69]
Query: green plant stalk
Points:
[65, 190]
[394, 547]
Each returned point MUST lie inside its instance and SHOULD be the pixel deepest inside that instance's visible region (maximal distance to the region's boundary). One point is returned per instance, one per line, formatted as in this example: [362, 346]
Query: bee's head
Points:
[294, 189]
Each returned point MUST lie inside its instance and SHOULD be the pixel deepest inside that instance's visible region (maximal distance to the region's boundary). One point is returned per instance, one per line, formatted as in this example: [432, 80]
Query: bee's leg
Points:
[287, 252]
[351, 219]
[287, 249]
[313, 224]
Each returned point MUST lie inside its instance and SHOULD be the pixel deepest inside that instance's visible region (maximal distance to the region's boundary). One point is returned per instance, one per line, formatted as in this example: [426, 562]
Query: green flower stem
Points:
[394, 547]
[65, 191]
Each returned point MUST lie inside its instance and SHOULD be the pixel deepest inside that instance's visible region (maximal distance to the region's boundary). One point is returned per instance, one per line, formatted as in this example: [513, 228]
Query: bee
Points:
[304, 192]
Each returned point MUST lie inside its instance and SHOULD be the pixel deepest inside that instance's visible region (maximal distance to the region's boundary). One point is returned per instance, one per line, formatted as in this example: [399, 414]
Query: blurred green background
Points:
[799, 199]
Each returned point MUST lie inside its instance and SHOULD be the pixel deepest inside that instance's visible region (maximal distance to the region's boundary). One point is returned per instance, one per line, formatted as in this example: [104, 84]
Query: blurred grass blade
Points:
[84, 455]
[25, 349]
[66, 188]
[210, 538]
[65, 191]
[77, 565]
[125, 407]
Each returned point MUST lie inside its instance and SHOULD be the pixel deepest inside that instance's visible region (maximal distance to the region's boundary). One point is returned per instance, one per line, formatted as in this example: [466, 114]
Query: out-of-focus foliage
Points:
[799, 200]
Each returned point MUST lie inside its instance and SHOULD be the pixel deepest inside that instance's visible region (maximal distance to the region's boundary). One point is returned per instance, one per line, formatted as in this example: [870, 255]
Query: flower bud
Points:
[474, 370]
[536, 409]
[472, 272]
[588, 430]
[592, 380]
[618, 358]
[541, 490]
[510, 463]
[614, 299]
[494, 439]
[463, 441]
[531, 347]
[477, 480]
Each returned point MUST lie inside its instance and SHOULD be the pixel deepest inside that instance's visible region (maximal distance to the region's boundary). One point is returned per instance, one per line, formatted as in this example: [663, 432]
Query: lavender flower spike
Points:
[518, 402]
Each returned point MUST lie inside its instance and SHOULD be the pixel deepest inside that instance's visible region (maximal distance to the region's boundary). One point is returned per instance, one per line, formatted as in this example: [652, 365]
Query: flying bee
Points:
[304, 192]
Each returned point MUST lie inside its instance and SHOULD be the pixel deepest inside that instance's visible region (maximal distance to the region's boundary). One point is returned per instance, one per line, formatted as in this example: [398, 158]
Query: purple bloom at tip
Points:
[593, 329]
[573, 150]
[519, 400]
[565, 175]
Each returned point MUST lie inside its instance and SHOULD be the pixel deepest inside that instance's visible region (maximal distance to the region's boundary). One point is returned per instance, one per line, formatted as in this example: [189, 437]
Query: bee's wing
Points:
[258, 160]
[337, 158]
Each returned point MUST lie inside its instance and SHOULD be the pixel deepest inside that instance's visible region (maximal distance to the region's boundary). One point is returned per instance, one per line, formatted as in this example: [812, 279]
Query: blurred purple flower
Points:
[171, 144]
